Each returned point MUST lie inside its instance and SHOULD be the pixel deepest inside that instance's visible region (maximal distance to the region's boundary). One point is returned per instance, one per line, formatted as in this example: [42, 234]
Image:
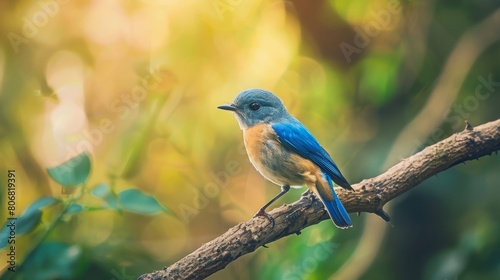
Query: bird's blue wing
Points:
[295, 137]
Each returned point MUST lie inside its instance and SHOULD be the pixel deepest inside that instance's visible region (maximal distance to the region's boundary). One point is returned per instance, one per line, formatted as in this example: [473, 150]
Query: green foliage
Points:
[73, 172]
[42, 203]
[75, 208]
[55, 260]
[133, 200]
[28, 220]
[104, 192]
[52, 260]
[377, 86]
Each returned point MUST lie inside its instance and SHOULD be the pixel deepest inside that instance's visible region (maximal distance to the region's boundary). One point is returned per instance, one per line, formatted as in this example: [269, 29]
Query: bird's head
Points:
[255, 106]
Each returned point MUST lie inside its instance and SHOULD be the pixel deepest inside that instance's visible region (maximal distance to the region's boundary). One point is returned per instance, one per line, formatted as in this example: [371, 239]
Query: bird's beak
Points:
[227, 107]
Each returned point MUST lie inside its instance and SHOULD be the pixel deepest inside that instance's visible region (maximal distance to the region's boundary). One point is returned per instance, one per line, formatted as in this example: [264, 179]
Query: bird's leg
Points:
[262, 210]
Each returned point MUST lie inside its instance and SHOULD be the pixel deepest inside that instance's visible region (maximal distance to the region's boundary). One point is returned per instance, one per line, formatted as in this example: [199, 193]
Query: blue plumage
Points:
[335, 208]
[295, 136]
[286, 153]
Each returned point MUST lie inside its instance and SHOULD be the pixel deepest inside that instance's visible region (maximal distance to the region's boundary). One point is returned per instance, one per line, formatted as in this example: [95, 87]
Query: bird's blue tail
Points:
[337, 212]
[335, 209]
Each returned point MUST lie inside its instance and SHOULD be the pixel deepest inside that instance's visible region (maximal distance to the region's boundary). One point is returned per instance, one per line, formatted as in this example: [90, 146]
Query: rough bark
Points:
[370, 195]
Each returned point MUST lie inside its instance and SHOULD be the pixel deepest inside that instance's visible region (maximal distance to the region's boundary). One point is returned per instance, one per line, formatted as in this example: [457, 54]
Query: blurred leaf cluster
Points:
[131, 88]
[56, 260]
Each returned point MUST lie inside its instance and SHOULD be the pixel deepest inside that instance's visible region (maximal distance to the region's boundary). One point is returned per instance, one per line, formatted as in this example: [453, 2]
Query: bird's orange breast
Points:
[275, 162]
[255, 136]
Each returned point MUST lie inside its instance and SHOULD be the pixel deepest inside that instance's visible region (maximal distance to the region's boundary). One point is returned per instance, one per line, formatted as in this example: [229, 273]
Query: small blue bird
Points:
[286, 153]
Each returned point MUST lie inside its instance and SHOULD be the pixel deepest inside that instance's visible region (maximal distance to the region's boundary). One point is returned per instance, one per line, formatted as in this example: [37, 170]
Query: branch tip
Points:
[382, 214]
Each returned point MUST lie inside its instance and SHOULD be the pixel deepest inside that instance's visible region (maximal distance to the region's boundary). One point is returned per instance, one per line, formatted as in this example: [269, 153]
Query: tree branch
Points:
[369, 196]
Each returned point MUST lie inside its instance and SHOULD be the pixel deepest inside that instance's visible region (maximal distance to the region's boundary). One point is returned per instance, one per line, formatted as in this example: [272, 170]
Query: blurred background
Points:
[136, 84]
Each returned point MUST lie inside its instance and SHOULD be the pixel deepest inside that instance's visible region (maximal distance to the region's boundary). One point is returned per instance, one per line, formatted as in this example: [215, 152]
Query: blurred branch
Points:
[463, 56]
[470, 46]
[369, 196]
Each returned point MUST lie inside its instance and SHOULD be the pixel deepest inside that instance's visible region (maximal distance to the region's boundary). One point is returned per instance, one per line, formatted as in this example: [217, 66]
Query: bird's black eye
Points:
[254, 106]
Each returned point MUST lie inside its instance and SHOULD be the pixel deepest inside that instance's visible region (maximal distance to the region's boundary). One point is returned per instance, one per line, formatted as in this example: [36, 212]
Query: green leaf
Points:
[16, 227]
[52, 260]
[104, 192]
[27, 221]
[101, 190]
[75, 208]
[4, 235]
[43, 202]
[72, 172]
[23, 224]
[133, 200]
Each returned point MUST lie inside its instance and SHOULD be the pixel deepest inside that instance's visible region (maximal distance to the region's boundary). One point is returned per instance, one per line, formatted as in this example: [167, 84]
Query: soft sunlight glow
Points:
[106, 22]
